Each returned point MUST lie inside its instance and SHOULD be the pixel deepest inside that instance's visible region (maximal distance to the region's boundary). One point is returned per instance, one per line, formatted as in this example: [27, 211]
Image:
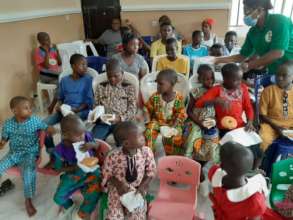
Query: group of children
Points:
[193, 130]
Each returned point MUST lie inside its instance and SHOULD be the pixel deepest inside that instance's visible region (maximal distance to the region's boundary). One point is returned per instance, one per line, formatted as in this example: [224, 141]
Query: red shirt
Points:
[39, 58]
[239, 103]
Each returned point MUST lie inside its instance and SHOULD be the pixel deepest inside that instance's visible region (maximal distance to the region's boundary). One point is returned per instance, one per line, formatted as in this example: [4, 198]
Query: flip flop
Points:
[6, 186]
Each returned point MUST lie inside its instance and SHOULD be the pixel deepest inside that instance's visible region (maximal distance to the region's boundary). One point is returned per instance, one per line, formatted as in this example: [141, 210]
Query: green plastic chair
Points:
[282, 178]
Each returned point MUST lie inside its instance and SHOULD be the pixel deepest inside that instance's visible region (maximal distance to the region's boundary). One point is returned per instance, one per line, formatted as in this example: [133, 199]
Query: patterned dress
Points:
[87, 183]
[171, 114]
[115, 166]
[201, 144]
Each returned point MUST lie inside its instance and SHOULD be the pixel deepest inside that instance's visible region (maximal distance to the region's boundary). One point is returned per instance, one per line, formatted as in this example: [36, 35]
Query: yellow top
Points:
[158, 48]
[180, 65]
[273, 105]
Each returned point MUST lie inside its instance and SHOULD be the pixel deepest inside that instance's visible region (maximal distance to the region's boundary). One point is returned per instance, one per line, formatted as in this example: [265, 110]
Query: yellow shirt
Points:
[271, 105]
[180, 65]
[158, 48]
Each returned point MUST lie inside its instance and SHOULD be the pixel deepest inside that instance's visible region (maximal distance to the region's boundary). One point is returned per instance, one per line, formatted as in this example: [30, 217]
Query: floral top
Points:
[119, 100]
[166, 113]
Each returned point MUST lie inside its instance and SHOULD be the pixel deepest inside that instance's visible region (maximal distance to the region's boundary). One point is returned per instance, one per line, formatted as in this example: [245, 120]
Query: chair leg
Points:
[40, 99]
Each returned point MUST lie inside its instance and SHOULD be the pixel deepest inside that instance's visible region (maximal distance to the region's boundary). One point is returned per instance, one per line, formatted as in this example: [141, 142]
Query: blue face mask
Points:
[249, 21]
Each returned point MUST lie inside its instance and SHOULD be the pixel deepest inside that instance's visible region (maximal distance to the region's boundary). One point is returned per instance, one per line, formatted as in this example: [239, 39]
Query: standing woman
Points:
[209, 38]
[270, 38]
[130, 61]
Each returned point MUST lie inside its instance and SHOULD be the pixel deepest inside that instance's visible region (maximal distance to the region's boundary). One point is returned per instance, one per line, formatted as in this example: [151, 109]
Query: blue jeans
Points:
[102, 131]
[55, 119]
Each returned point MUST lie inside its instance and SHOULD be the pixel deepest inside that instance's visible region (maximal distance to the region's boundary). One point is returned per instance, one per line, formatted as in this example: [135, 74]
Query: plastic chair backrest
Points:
[181, 170]
[97, 63]
[128, 77]
[148, 85]
[282, 177]
[148, 39]
[102, 151]
[201, 60]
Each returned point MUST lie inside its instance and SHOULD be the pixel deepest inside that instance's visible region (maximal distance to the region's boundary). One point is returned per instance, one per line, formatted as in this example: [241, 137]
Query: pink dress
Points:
[242, 203]
[115, 165]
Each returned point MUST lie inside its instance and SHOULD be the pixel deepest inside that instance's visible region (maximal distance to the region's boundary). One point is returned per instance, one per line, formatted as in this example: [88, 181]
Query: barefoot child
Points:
[73, 177]
[128, 168]
[234, 196]
[166, 108]
[21, 131]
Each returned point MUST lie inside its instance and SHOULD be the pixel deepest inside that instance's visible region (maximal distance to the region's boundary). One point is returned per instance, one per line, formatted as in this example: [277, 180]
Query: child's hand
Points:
[142, 189]
[2, 144]
[57, 108]
[225, 104]
[116, 119]
[120, 187]
[249, 126]
[88, 146]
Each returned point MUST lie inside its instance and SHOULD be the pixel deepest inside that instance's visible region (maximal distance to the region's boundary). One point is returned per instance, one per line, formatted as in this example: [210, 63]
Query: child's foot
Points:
[6, 186]
[30, 209]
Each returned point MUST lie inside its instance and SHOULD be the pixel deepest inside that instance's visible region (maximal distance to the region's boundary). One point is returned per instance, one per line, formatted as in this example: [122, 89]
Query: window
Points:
[284, 7]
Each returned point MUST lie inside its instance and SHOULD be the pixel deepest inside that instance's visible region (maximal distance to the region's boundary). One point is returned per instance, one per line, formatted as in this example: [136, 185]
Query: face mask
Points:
[249, 21]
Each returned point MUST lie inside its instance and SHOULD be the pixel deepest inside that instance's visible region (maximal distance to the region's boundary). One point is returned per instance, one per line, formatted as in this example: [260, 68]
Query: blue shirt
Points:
[23, 137]
[192, 53]
[76, 92]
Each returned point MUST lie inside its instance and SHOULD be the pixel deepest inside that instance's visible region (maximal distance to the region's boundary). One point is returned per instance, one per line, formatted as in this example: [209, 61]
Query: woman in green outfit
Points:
[270, 38]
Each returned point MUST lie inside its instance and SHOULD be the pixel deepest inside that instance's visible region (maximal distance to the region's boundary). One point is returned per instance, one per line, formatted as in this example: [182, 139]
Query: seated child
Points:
[48, 63]
[130, 167]
[117, 97]
[21, 131]
[166, 108]
[234, 196]
[230, 47]
[74, 178]
[230, 100]
[159, 46]
[196, 49]
[196, 138]
[172, 61]
[76, 91]
[276, 106]
[217, 50]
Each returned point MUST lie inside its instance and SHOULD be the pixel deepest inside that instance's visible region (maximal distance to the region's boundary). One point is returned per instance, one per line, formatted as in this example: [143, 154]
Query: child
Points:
[195, 133]
[231, 44]
[21, 131]
[73, 177]
[48, 63]
[166, 108]
[130, 167]
[159, 47]
[178, 63]
[76, 91]
[217, 50]
[276, 106]
[196, 49]
[209, 37]
[285, 208]
[118, 98]
[234, 196]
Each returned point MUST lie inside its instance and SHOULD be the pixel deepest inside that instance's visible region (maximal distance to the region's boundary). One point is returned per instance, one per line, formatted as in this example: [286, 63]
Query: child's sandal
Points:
[6, 186]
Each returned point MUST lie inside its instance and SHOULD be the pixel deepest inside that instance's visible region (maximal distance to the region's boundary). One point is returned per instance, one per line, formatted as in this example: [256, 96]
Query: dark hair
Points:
[166, 24]
[229, 69]
[217, 46]
[113, 64]
[230, 33]
[288, 64]
[238, 159]
[127, 38]
[76, 58]
[195, 33]
[116, 18]
[169, 75]
[121, 131]
[203, 68]
[41, 35]
[125, 30]
[17, 100]
[70, 122]
[171, 41]
[164, 17]
[266, 4]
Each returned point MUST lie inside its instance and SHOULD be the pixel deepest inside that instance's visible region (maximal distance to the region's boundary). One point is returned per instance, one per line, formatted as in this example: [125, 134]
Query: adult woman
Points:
[210, 38]
[270, 38]
[129, 60]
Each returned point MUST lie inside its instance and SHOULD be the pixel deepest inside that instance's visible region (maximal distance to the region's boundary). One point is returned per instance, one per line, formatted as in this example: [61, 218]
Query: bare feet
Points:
[30, 209]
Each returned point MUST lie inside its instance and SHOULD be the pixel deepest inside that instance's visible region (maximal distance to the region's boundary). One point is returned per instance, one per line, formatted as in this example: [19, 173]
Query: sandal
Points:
[6, 186]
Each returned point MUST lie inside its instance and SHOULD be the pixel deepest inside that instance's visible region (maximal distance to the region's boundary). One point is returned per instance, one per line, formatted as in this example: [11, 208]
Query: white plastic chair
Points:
[128, 77]
[157, 58]
[50, 88]
[148, 85]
